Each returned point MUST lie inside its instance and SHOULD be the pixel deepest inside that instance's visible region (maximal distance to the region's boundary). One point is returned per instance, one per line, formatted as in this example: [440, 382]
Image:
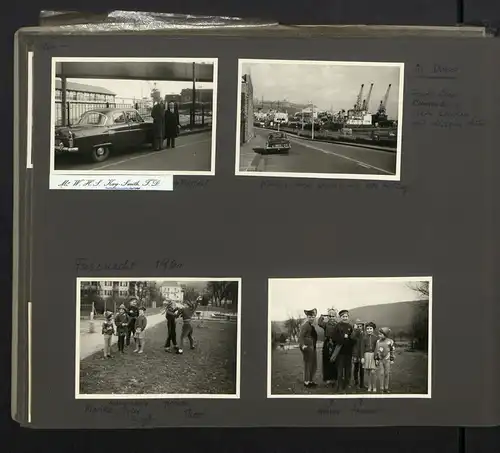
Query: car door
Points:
[119, 131]
[138, 131]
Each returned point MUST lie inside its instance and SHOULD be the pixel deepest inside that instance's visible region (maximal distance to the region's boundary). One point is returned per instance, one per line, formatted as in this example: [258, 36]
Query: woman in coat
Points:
[307, 344]
[329, 367]
[158, 115]
[172, 124]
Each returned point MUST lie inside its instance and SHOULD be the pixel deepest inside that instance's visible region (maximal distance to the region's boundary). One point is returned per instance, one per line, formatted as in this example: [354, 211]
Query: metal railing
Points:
[201, 116]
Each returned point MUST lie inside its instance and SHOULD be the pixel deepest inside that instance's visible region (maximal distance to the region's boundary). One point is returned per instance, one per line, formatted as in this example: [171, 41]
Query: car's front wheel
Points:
[100, 153]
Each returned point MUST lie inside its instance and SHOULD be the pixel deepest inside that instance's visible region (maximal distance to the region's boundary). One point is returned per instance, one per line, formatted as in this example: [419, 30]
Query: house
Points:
[172, 291]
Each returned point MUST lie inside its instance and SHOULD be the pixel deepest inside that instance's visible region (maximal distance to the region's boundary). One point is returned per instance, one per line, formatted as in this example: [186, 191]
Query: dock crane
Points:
[359, 101]
[366, 102]
[383, 103]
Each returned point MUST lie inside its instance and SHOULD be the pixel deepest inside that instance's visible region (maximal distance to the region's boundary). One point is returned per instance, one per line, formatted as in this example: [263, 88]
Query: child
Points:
[140, 326]
[171, 312]
[357, 337]
[186, 313]
[133, 313]
[121, 321]
[368, 345]
[108, 330]
[308, 338]
[343, 350]
[384, 357]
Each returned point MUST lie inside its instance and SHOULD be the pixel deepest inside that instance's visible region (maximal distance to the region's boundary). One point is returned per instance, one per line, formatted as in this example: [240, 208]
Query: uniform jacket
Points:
[308, 336]
[133, 313]
[341, 330]
[120, 319]
[357, 337]
[328, 326]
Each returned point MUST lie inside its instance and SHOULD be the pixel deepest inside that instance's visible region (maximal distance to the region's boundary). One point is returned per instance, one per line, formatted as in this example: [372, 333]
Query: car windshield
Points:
[275, 136]
[92, 119]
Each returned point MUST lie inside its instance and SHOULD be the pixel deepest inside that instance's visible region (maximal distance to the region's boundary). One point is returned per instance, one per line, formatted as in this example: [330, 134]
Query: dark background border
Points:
[413, 12]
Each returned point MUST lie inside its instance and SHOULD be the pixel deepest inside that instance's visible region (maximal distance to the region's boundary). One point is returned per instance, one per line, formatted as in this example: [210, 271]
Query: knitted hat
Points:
[142, 307]
[342, 312]
[312, 312]
[122, 306]
[358, 321]
[372, 325]
[385, 330]
[108, 314]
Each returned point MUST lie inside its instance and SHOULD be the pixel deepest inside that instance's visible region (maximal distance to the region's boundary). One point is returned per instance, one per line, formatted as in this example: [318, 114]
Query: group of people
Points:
[130, 323]
[166, 123]
[172, 313]
[349, 350]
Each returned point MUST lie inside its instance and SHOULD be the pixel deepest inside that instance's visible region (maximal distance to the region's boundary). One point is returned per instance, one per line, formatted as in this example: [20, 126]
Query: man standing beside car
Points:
[158, 115]
[172, 124]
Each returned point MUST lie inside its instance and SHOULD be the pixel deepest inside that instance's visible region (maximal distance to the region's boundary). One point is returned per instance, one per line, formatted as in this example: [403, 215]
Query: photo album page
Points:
[255, 231]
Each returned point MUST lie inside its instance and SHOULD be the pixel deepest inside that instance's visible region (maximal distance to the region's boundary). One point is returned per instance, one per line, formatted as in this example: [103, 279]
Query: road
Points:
[191, 153]
[308, 156]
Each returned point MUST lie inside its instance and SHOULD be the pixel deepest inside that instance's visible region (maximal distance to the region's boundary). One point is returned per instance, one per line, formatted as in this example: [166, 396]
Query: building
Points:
[172, 97]
[172, 291]
[84, 93]
[203, 95]
[109, 288]
[247, 109]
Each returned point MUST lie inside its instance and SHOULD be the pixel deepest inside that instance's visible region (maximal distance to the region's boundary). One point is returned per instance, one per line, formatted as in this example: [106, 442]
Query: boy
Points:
[171, 313]
[186, 313]
[108, 330]
[343, 344]
[328, 325]
[384, 357]
[357, 337]
[308, 338]
[368, 346]
[133, 313]
[140, 326]
[121, 321]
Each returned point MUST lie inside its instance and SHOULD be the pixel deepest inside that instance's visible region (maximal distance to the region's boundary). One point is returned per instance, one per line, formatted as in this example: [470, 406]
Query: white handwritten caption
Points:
[111, 182]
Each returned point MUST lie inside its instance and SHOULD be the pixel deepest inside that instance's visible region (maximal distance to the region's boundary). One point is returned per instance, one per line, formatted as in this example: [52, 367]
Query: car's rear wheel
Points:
[100, 153]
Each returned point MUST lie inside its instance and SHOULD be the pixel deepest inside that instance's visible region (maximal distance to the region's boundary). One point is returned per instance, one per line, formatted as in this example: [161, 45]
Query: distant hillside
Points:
[397, 316]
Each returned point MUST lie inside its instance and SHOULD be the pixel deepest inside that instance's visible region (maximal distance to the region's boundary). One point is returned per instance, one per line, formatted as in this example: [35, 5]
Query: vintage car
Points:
[384, 134]
[278, 141]
[100, 132]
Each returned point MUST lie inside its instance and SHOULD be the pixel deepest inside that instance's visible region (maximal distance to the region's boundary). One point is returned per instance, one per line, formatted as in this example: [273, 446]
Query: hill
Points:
[397, 316]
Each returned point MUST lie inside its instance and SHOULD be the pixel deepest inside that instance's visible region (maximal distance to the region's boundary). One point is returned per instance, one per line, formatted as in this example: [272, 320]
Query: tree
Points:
[422, 289]
[420, 321]
[223, 290]
[292, 325]
[190, 293]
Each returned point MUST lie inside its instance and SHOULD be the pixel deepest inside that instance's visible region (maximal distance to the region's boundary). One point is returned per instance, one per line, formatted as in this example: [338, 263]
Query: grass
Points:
[408, 374]
[208, 369]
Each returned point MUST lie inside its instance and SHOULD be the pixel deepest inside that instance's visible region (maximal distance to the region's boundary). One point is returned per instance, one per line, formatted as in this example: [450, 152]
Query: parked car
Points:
[278, 141]
[100, 132]
[385, 135]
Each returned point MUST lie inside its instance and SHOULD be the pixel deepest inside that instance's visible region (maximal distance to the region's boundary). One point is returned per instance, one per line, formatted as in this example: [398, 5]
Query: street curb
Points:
[341, 142]
[194, 131]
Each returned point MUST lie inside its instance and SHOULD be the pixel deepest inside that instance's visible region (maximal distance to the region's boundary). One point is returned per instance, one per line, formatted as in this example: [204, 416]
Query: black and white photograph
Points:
[350, 337]
[133, 116]
[158, 338]
[320, 119]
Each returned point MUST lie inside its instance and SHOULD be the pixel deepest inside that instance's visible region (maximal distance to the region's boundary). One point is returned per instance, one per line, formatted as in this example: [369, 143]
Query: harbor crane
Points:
[383, 103]
[366, 102]
[359, 101]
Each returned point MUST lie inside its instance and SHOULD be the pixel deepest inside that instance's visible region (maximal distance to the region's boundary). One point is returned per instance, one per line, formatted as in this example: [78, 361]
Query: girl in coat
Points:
[307, 344]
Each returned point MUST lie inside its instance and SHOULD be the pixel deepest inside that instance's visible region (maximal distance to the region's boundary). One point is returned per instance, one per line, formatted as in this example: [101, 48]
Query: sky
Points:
[290, 297]
[327, 86]
[138, 88]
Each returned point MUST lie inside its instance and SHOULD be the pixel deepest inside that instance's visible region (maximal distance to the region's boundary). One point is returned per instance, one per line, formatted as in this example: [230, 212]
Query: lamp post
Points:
[312, 121]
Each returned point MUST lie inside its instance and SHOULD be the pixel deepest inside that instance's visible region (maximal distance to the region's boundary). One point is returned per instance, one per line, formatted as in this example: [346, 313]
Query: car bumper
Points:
[66, 149]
